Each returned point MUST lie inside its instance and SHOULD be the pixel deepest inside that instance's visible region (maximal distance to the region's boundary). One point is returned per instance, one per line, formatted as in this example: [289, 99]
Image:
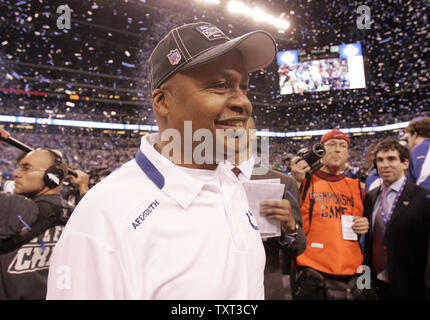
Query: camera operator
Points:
[328, 201]
[75, 187]
[31, 222]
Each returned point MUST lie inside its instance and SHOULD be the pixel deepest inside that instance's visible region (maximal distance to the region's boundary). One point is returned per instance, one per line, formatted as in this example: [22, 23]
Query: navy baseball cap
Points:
[7, 175]
[198, 43]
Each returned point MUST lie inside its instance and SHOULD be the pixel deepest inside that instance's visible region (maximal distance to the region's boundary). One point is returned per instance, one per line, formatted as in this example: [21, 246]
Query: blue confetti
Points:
[130, 65]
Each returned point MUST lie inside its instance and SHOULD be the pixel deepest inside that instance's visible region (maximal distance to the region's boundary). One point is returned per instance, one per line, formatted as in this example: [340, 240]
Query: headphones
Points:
[54, 174]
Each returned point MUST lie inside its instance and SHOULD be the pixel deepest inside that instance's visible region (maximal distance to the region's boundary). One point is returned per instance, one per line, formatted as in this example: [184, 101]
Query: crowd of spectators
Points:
[102, 59]
[46, 107]
[301, 118]
[83, 149]
[92, 149]
[103, 56]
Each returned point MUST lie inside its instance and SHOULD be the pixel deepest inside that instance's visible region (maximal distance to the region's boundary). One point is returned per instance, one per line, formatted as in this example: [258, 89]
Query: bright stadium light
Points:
[239, 7]
[258, 15]
[282, 24]
[210, 1]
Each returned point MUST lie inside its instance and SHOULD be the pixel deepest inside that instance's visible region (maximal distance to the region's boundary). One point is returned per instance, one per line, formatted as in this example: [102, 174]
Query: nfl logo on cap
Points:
[174, 57]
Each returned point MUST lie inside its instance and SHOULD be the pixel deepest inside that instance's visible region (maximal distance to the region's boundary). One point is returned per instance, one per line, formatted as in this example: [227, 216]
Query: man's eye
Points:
[220, 85]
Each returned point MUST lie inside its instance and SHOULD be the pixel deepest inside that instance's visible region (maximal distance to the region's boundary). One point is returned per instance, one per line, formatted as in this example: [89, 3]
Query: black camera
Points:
[313, 156]
[362, 174]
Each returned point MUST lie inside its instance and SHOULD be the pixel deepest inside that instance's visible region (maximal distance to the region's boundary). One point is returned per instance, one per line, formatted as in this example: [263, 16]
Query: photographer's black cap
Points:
[198, 43]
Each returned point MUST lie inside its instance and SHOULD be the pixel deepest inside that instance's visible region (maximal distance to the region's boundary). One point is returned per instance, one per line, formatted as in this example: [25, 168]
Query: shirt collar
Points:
[329, 177]
[246, 167]
[165, 174]
[396, 185]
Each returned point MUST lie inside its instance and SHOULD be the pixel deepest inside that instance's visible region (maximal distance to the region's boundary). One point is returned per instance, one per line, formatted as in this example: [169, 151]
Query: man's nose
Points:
[15, 173]
[240, 103]
[337, 148]
[383, 164]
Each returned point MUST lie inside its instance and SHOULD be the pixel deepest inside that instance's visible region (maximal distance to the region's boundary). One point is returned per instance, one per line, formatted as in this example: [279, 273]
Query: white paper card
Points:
[264, 190]
[347, 232]
[317, 245]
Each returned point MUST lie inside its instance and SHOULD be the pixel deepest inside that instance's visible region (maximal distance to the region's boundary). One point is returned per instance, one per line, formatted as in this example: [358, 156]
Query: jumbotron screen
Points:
[321, 69]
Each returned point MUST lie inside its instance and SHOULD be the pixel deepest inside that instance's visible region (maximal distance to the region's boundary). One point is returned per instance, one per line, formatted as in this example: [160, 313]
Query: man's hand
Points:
[361, 225]
[3, 133]
[299, 167]
[81, 181]
[280, 210]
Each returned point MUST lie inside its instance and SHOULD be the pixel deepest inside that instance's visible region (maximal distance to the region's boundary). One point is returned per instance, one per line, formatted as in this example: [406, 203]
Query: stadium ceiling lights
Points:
[210, 1]
[258, 15]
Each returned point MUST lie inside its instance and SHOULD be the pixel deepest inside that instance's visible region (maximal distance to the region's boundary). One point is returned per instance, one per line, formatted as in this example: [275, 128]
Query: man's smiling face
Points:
[213, 96]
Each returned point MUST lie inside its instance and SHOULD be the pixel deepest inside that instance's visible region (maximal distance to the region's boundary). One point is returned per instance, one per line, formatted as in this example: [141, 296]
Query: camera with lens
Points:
[362, 174]
[313, 156]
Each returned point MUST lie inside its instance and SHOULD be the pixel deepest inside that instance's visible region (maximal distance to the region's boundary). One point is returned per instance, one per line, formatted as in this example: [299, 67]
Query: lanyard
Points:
[386, 217]
[42, 244]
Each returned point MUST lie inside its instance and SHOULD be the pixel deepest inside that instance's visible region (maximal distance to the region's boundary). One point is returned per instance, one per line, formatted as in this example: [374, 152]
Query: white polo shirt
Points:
[150, 230]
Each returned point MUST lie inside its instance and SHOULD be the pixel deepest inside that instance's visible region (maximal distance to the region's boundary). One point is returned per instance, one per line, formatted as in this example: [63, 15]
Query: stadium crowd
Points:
[89, 149]
[35, 56]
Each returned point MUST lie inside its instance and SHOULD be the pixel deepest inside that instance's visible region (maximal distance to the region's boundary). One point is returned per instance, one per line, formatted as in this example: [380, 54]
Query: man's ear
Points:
[159, 102]
[406, 164]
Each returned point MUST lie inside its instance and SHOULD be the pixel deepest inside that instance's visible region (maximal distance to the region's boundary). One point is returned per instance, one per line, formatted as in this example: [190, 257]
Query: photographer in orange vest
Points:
[332, 212]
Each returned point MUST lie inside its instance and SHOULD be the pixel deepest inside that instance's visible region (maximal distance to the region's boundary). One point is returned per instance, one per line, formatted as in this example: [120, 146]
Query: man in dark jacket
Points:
[31, 222]
[397, 245]
[292, 240]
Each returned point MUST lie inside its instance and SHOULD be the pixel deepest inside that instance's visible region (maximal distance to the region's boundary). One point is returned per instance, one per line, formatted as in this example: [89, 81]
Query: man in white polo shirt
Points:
[167, 225]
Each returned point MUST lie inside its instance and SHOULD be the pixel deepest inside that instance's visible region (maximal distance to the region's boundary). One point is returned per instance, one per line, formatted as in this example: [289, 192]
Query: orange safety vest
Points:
[326, 249]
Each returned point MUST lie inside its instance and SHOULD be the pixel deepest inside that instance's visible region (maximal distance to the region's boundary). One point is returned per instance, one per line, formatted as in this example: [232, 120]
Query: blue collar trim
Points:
[150, 170]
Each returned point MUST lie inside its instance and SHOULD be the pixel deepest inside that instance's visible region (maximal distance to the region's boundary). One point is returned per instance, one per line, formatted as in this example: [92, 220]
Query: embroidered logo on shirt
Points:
[251, 220]
[144, 214]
